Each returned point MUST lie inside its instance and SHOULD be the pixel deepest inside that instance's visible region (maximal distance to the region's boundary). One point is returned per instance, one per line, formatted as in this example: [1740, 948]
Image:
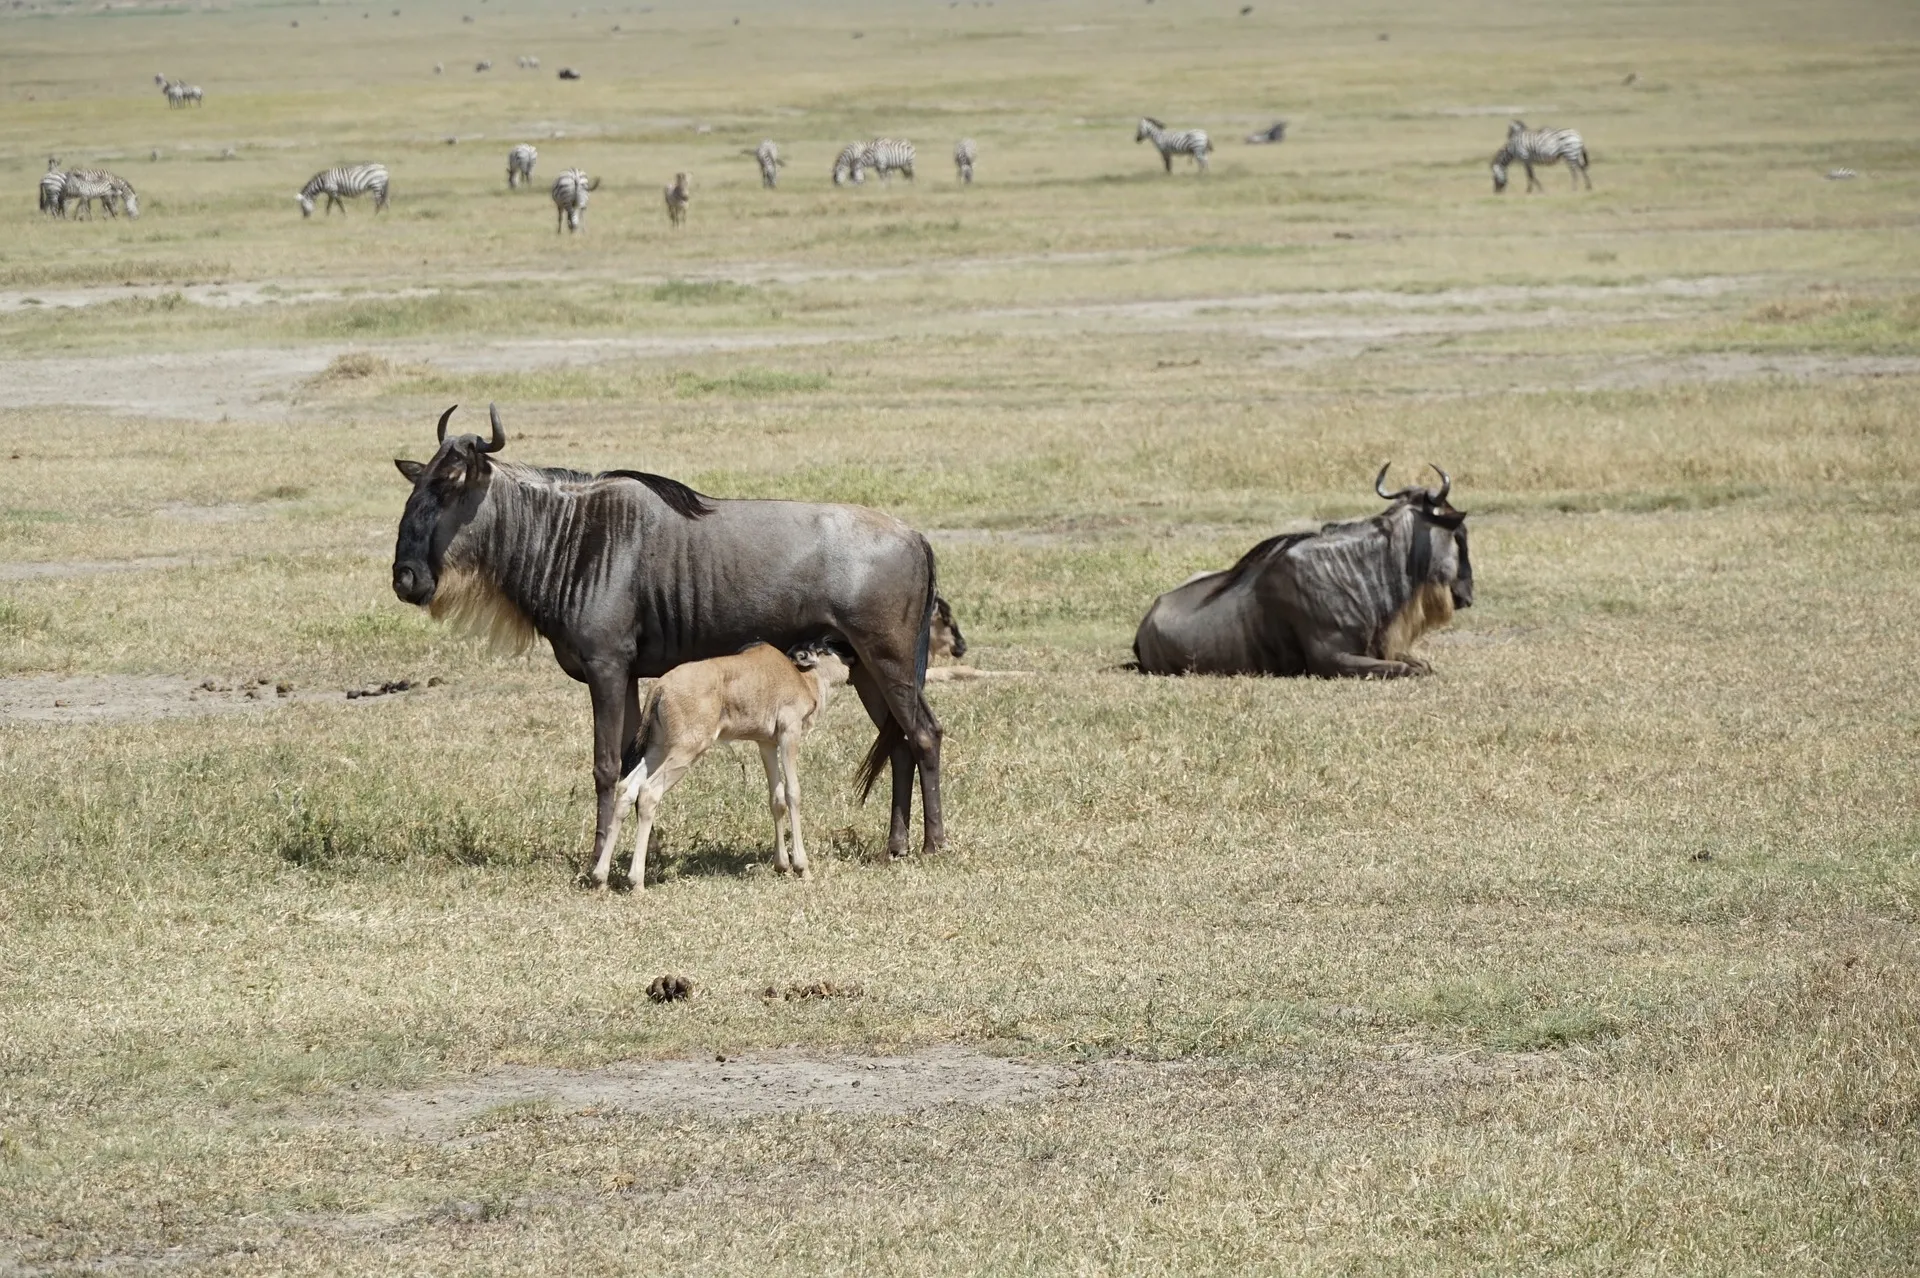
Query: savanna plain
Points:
[1593, 952]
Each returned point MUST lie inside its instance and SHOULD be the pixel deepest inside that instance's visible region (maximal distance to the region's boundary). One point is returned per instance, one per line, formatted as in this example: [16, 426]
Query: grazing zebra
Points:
[344, 183]
[964, 154]
[1540, 146]
[1191, 142]
[520, 165]
[769, 157]
[570, 199]
[88, 185]
[52, 184]
[851, 164]
[678, 196]
[484, 64]
[885, 156]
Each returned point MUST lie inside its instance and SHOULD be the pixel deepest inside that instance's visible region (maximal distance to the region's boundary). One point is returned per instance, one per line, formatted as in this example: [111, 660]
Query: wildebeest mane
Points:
[681, 499]
[1248, 562]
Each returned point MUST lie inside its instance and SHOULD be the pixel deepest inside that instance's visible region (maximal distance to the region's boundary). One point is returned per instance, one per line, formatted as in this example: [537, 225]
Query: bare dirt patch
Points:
[741, 1087]
[73, 699]
[34, 571]
[1736, 366]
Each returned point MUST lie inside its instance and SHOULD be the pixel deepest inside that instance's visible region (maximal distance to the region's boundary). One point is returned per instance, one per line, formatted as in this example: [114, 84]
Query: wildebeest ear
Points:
[411, 469]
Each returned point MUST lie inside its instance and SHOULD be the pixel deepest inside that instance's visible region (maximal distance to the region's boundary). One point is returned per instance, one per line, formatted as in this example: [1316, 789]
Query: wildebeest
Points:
[1347, 600]
[762, 695]
[628, 575]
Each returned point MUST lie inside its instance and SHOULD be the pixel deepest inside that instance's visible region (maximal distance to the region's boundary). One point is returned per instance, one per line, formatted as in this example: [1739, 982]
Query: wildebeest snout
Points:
[413, 582]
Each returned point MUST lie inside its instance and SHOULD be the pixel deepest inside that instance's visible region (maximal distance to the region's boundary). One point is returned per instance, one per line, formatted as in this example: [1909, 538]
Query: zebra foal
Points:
[1172, 142]
[520, 165]
[570, 199]
[349, 181]
[1529, 147]
[964, 154]
[88, 185]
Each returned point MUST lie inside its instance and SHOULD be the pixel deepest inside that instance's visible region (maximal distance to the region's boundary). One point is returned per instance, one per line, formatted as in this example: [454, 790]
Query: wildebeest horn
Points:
[500, 432]
[1446, 485]
[1377, 479]
[442, 433]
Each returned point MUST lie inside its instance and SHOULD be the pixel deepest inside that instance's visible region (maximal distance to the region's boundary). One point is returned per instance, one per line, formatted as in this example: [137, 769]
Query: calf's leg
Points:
[776, 804]
[788, 748]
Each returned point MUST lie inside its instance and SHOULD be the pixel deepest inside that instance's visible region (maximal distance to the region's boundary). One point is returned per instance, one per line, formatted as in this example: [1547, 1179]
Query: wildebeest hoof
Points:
[587, 883]
[670, 989]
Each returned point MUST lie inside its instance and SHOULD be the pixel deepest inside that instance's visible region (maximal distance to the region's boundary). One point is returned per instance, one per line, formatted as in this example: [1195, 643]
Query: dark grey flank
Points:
[628, 575]
[1347, 600]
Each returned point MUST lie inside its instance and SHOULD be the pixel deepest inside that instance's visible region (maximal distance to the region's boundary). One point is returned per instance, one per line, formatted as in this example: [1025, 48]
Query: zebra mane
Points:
[1155, 123]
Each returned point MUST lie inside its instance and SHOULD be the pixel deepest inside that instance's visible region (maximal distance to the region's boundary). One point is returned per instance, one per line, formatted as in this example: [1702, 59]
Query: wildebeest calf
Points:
[760, 695]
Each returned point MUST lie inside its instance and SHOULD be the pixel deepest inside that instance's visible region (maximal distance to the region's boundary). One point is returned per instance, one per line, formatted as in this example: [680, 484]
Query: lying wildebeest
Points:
[628, 575]
[1347, 600]
[762, 695]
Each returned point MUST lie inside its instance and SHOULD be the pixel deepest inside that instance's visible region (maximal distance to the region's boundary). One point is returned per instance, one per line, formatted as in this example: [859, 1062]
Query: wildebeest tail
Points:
[892, 734]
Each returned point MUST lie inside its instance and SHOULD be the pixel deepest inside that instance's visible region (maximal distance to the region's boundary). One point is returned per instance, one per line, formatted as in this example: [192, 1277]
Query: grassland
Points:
[1593, 953]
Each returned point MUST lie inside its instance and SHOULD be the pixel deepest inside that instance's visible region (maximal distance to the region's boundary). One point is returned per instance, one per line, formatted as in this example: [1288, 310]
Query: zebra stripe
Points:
[341, 184]
[1540, 146]
[851, 164]
[570, 199]
[520, 165]
[887, 156]
[1191, 142]
[88, 185]
[769, 159]
[964, 154]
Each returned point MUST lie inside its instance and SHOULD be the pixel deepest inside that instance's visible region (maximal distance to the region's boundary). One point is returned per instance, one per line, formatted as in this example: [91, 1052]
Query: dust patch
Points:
[744, 1087]
[26, 571]
[1740, 366]
[81, 699]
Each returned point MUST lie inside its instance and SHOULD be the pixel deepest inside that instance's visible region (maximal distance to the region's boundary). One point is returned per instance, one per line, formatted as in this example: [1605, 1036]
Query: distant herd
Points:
[881, 156]
[747, 613]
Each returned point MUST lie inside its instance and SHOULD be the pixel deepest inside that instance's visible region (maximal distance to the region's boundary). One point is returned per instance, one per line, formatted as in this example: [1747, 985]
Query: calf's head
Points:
[826, 659]
[447, 493]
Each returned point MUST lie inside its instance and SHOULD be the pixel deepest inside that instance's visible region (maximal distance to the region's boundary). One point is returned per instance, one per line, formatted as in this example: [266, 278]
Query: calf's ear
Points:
[411, 469]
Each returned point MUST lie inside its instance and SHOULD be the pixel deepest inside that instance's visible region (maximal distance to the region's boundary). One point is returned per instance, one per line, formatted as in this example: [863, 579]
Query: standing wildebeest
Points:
[1347, 600]
[628, 575]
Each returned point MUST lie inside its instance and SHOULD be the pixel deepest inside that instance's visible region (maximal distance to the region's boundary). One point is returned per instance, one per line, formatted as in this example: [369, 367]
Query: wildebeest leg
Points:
[901, 760]
[927, 749]
[776, 804]
[1353, 665]
[609, 728]
[789, 751]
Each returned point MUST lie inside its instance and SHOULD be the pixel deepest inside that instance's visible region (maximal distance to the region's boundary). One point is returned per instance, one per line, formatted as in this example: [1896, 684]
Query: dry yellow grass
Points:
[1592, 953]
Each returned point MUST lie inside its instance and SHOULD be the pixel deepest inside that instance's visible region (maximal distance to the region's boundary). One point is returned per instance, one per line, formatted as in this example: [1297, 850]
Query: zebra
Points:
[678, 196]
[343, 183]
[768, 155]
[520, 165]
[88, 185]
[1191, 142]
[964, 153]
[570, 199]
[851, 164]
[885, 155]
[1540, 146]
[52, 184]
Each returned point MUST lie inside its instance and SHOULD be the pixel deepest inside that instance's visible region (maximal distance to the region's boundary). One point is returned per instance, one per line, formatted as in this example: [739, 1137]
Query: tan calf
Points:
[760, 695]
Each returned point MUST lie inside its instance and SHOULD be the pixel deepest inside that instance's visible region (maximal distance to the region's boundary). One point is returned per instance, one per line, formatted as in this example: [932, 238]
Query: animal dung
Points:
[391, 686]
[670, 989]
[798, 992]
